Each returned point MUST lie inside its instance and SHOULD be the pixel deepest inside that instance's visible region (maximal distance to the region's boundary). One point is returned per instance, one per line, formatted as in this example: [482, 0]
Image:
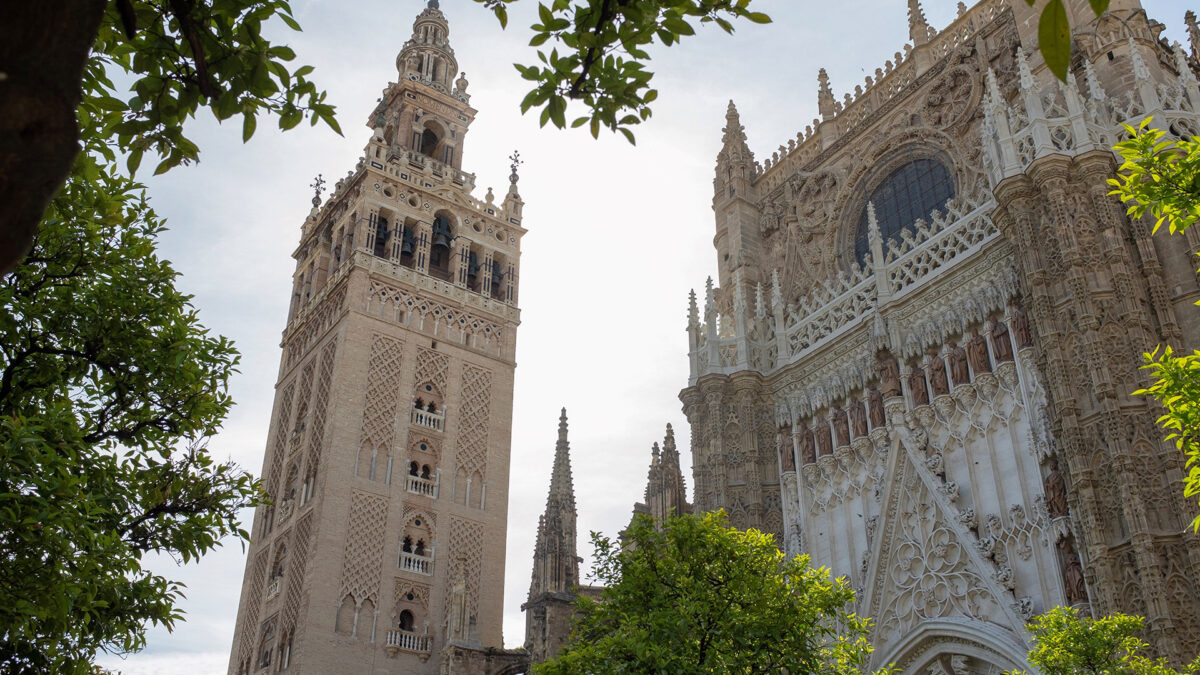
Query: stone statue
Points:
[458, 628]
[937, 375]
[875, 403]
[1076, 587]
[858, 419]
[840, 427]
[1001, 342]
[958, 365]
[977, 354]
[1056, 491]
[824, 442]
[916, 384]
[889, 375]
[1020, 328]
[786, 458]
[808, 453]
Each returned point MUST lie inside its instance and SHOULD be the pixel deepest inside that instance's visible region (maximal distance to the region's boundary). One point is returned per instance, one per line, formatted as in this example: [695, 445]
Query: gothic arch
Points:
[935, 638]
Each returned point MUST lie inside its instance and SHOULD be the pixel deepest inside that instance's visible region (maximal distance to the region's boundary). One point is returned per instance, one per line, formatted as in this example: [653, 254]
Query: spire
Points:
[562, 487]
[1193, 32]
[734, 135]
[1023, 68]
[918, 28]
[666, 493]
[825, 100]
[427, 56]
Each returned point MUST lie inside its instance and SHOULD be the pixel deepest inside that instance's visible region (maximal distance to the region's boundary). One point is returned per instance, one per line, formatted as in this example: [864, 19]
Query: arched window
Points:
[381, 238]
[406, 621]
[911, 192]
[429, 141]
[439, 250]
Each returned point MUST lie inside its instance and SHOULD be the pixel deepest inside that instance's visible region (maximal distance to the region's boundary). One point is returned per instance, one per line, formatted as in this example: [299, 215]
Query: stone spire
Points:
[550, 607]
[918, 27]
[666, 493]
[555, 564]
[1193, 32]
[733, 140]
[826, 104]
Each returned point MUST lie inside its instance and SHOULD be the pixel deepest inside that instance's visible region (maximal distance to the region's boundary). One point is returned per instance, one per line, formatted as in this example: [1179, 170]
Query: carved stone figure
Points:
[1056, 491]
[875, 404]
[889, 375]
[958, 364]
[1073, 581]
[916, 384]
[1020, 328]
[1001, 342]
[937, 375]
[858, 419]
[808, 453]
[840, 427]
[787, 459]
[824, 441]
[977, 354]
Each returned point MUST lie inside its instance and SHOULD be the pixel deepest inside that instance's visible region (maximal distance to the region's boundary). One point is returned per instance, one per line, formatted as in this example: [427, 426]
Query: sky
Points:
[618, 235]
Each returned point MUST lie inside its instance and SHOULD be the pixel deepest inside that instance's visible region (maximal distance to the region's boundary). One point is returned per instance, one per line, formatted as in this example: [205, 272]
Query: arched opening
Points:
[499, 278]
[406, 622]
[382, 235]
[344, 623]
[440, 245]
[429, 142]
[907, 194]
[408, 244]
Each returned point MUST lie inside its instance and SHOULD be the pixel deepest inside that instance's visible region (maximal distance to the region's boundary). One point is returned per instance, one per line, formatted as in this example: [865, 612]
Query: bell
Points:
[441, 232]
[497, 273]
[406, 242]
[472, 267]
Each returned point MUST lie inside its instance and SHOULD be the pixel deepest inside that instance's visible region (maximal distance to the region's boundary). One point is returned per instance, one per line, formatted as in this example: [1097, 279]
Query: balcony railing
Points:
[402, 640]
[429, 420]
[411, 562]
[274, 588]
[422, 486]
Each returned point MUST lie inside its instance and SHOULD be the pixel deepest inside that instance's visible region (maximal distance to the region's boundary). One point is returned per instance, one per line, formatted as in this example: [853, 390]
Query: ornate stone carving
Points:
[1001, 342]
[841, 427]
[959, 372]
[937, 375]
[875, 405]
[1056, 491]
[858, 419]
[977, 354]
[916, 384]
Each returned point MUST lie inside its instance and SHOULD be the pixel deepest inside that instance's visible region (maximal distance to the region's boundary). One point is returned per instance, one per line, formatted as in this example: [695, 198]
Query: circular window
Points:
[424, 447]
[408, 596]
[417, 522]
[907, 194]
[428, 387]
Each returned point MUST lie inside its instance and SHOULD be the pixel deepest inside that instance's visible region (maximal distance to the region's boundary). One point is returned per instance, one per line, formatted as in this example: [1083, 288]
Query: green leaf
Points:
[249, 123]
[1099, 6]
[1054, 38]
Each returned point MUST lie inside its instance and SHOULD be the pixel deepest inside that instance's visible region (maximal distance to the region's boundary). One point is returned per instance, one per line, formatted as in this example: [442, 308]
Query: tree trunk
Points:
[43, 49]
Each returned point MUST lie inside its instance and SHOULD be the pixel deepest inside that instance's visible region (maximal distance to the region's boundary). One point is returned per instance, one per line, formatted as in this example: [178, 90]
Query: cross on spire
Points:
[318, 186]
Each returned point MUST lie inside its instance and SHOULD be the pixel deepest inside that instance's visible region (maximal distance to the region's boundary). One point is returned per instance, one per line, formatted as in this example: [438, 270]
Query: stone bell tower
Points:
[387, 460]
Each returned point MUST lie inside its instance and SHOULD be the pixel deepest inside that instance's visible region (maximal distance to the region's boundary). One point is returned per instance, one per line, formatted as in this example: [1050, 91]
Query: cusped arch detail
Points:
[936, 638]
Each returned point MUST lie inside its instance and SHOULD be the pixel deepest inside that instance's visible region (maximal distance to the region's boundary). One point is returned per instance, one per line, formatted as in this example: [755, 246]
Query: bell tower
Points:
[387, 458]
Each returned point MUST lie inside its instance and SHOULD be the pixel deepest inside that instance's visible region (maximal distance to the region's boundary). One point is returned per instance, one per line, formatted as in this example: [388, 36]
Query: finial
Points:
[1140, 71]
[318, 186]
[654, 450]
[1023, 69]
[825, 100]
[1095, 89]
[562, 417]
[873, 234]
[1186, 76]
[693, 311]
[1193, 32]
[918, 27]
[515, 158]
[776, 289]
[432, 4]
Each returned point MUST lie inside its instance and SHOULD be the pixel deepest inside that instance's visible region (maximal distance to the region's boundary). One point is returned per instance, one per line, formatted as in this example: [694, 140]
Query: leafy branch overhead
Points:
[188, 54]
[598, 56]
[1054, 34]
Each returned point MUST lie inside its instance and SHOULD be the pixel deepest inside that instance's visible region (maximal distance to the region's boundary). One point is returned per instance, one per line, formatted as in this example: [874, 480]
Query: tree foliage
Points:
[109, 387]
[696, 596]
[1161, 177]
[1066, 643]
[598, 54]
[181, 56]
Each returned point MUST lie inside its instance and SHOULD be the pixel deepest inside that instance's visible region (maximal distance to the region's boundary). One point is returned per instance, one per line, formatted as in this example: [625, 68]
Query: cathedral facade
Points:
[387, 460]
[917, 362]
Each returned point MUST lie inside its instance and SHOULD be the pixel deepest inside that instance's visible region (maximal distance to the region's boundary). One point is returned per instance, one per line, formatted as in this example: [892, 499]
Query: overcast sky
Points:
[617, 237]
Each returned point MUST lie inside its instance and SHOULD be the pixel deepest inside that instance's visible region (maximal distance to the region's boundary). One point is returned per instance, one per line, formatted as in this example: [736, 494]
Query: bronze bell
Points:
[497, 273]
[406, 242]
[472, 267]
[441, 232]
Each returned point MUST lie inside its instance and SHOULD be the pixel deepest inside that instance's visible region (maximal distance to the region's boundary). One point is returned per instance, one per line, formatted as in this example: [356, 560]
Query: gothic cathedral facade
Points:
[917, 363]
[387, 459]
